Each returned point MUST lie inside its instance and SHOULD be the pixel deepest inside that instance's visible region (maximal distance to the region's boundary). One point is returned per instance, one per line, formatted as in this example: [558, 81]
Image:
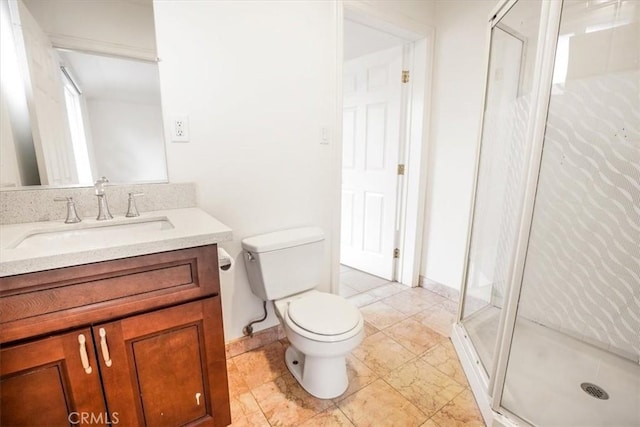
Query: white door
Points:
[371, 137]
[45, 100]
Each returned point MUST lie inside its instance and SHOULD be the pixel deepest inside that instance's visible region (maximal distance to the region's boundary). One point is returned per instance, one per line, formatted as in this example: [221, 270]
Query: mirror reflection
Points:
[79, 101]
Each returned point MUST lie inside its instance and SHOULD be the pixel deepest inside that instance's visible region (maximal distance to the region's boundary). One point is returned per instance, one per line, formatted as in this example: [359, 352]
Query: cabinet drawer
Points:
[38, 303]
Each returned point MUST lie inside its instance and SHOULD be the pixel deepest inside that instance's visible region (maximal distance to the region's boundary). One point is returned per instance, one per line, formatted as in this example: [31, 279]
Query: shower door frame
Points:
[488, 389]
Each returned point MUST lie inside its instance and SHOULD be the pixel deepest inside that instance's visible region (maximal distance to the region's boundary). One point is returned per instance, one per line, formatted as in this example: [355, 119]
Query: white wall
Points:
[257, 81]
[459, 70]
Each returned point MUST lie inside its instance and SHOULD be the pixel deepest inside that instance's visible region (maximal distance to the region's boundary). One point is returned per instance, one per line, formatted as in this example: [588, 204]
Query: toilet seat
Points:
[321, 316]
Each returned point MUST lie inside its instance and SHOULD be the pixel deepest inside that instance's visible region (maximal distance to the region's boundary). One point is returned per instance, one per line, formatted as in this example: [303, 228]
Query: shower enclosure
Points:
[548, 329]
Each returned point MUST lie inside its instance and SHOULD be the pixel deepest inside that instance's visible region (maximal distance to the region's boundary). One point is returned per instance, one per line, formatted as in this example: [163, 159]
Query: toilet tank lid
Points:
[283, 239]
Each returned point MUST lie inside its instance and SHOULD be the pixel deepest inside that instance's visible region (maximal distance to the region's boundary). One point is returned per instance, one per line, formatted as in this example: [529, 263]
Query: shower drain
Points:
[594, 391]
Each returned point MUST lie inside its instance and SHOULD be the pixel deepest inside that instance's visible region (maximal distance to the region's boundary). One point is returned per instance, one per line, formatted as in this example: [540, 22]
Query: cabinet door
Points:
[170, 363]
[45, 383]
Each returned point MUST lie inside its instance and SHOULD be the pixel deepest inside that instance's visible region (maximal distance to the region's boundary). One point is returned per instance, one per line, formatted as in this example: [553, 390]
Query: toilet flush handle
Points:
[250, 256]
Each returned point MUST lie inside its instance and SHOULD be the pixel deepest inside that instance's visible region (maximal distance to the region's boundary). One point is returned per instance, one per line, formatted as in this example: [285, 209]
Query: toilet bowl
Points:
[286, 267]
[322, 329]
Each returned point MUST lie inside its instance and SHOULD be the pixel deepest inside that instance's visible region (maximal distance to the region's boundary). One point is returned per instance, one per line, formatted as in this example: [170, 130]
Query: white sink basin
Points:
[97, 234]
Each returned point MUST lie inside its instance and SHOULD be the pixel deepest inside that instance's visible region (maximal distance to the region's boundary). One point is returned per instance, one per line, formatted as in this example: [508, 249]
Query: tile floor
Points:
[405, 373]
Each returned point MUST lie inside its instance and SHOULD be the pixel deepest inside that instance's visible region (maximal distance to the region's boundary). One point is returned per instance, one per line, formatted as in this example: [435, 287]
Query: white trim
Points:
[472, 205]
[63, 41]
[416, 161]
[336, 153]
[478, 381]
[550, 16]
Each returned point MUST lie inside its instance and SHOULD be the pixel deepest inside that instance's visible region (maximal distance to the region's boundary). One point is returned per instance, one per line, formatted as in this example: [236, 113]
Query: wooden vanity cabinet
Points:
[161, 363]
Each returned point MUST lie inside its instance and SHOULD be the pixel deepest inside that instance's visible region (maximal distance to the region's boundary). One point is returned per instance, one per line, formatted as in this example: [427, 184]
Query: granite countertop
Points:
[25, 248]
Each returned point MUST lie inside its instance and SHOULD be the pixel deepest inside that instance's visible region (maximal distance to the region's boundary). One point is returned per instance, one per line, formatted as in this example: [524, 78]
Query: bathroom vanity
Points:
[122, 333]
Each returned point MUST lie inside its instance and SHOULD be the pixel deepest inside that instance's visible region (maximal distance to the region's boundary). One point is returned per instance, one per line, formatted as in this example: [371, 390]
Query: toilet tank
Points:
[284, 263]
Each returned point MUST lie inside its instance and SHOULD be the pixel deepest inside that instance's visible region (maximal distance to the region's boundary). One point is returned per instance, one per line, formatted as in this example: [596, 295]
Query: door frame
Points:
[413, 186]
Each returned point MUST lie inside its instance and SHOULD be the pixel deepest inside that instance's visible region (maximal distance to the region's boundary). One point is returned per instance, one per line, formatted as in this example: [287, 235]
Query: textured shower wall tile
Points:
[583, 265]
[379, 404]
[33, 205]
[423, 385]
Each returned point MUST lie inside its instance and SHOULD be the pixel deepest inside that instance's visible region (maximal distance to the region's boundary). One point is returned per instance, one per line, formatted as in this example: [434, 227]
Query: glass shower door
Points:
[575, 349]
[501, 168]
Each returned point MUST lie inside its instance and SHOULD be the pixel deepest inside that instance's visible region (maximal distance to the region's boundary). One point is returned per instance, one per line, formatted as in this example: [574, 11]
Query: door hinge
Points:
[405, 76]
[400, 169]
[396, 253]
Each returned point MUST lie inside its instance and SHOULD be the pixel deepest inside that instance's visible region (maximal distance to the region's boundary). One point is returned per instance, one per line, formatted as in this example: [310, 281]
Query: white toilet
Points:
[285, 267]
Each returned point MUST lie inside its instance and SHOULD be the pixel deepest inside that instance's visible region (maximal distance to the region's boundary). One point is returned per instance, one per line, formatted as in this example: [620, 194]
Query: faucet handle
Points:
[72, 214]
[99, 185]
[132, 210]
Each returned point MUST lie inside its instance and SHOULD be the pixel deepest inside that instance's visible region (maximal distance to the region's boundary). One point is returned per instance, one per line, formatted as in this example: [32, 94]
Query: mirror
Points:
[80, 93]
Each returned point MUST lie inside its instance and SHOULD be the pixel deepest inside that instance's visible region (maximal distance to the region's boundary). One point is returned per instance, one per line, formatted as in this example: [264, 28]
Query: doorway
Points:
[383, 132]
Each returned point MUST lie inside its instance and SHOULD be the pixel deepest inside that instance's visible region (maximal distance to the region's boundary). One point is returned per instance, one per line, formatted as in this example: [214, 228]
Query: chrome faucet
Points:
[72, 214]
[103, 206]
[132, 210]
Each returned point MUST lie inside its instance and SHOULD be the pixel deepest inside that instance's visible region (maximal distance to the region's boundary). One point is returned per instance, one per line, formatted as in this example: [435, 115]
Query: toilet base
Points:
[322, 377]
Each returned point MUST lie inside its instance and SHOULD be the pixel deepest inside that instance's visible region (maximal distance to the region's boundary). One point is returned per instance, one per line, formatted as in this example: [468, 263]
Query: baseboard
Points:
[243, 344]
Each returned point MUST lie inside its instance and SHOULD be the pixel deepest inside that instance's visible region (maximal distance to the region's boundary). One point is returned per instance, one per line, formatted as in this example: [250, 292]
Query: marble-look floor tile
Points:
[261, 365]
[387, 290]
[254, 419]
[332, 417]
[414, 300]
[438, 318]
[430, 423]
[444, 358]
[284, 402]
[347, 291]
[381, 353]
[243, 405]
[361, 300]
[381, 315]
[423, 385]
[462, 411]
[378, 404]
[361, 281]
[359, 376]
[369, 329]
[413, 335]
[237, 385]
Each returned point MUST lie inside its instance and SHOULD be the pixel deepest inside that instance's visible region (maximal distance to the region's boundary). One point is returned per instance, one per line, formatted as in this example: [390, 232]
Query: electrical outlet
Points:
[180, 129]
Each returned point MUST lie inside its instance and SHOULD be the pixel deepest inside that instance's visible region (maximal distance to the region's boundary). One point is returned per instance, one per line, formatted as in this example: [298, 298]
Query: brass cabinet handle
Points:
[83, 354]
[104, 347]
